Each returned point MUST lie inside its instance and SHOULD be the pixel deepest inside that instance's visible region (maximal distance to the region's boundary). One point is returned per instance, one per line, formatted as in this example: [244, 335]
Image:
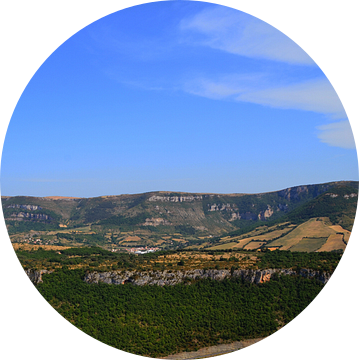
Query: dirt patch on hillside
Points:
[131, 239]
[60, 197]
[214, 350]
[29, 247]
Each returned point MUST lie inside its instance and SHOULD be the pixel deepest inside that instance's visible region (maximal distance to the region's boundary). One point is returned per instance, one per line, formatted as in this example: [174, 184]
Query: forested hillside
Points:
[156, 320]
[174, 220]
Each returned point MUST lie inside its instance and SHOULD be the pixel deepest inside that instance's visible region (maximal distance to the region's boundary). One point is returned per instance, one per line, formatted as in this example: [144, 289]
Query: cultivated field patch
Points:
[131, 239]
[313, 228]
[339, 229]
[29, 247]
[309, 244]
[334, 242]
[254, 245]
[224, 246]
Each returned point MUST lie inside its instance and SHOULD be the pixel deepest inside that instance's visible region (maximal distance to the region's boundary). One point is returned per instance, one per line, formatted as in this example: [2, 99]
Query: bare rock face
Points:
[350, 196]
[322, 277]
[166, 277]
[36, 275]
[27, 207]
[156, 222]
[187, 198]
[264, 215]
[25, 215]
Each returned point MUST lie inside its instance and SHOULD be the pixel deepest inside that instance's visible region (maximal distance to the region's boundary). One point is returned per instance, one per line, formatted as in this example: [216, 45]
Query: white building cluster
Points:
[142, 250]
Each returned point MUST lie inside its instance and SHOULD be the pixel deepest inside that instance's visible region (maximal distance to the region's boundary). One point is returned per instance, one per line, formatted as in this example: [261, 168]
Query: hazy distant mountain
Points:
[207, 214]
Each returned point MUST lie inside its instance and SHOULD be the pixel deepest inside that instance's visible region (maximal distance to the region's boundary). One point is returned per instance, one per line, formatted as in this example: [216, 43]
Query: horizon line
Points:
[59, 197]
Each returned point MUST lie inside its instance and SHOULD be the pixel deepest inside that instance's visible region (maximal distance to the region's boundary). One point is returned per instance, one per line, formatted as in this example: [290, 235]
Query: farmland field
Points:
[309, 244]
[334, 242]
[312, 228]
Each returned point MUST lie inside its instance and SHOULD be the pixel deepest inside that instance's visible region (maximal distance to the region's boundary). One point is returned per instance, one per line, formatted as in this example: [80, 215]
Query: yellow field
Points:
[253, 245]
[226, 238]
[230, 245]
[334, 242]
[309, 244]
[257, 234]
[339, 229]
[241, 243]
[130, 239]
[336, 228]
[28, 247]
[268, 236]
[178, 240]
[83, 229]
[312, 228]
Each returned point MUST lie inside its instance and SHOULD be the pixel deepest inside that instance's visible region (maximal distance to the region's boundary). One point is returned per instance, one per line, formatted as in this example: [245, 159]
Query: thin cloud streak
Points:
[337, 134]
[313, 95]
[238, 33]
[226, 86]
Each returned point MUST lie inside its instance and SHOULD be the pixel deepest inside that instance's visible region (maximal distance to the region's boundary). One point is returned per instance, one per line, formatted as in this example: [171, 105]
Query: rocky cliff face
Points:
[162, 278]
[156, 222]
[187, 198]
[217, 213]
[166, 277]
[25, 215]
[27, 207]
[36, 275]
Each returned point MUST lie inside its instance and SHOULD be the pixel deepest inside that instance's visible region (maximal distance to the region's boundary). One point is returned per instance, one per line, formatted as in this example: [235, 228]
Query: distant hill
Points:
[321, 224]
[339, 204]
[175, 219]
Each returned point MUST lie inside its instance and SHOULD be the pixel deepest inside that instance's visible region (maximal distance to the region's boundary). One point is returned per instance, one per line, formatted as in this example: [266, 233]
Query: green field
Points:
[309, 244]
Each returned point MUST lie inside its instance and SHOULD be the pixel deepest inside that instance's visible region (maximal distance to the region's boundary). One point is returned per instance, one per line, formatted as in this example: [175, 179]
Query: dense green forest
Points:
[14, 227]
[279, 259]
[157, 321]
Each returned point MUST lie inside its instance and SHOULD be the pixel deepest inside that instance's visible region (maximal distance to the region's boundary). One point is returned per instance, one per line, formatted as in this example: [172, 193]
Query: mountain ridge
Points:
[60, 197]
[170, 218]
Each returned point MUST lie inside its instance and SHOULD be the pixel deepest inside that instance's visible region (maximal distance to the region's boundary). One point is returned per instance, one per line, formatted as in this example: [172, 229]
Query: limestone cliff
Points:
[27, 207]
[166, 277]
[187, 198]
[169, 277]
[26, 215]
[36, 275]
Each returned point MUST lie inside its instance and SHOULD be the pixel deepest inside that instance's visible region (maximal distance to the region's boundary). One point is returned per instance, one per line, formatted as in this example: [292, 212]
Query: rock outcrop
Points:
[156, 222]
[27, 207]
[22, 215]
[166, 277]
[26, 215]
[264, 215]
[169, 277]
[188, 198]
[36, 275]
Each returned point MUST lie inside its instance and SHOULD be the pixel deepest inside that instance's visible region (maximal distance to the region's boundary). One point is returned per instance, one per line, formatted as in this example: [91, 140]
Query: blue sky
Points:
[177, 96]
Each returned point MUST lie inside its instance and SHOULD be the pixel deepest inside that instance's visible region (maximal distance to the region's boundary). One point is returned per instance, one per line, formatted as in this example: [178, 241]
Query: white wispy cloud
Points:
[337, 134]
[225, 86]
[312, 95]
[239, 33]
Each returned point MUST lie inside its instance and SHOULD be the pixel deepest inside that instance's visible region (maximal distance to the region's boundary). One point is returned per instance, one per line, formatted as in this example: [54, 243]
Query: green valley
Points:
[160, 273]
